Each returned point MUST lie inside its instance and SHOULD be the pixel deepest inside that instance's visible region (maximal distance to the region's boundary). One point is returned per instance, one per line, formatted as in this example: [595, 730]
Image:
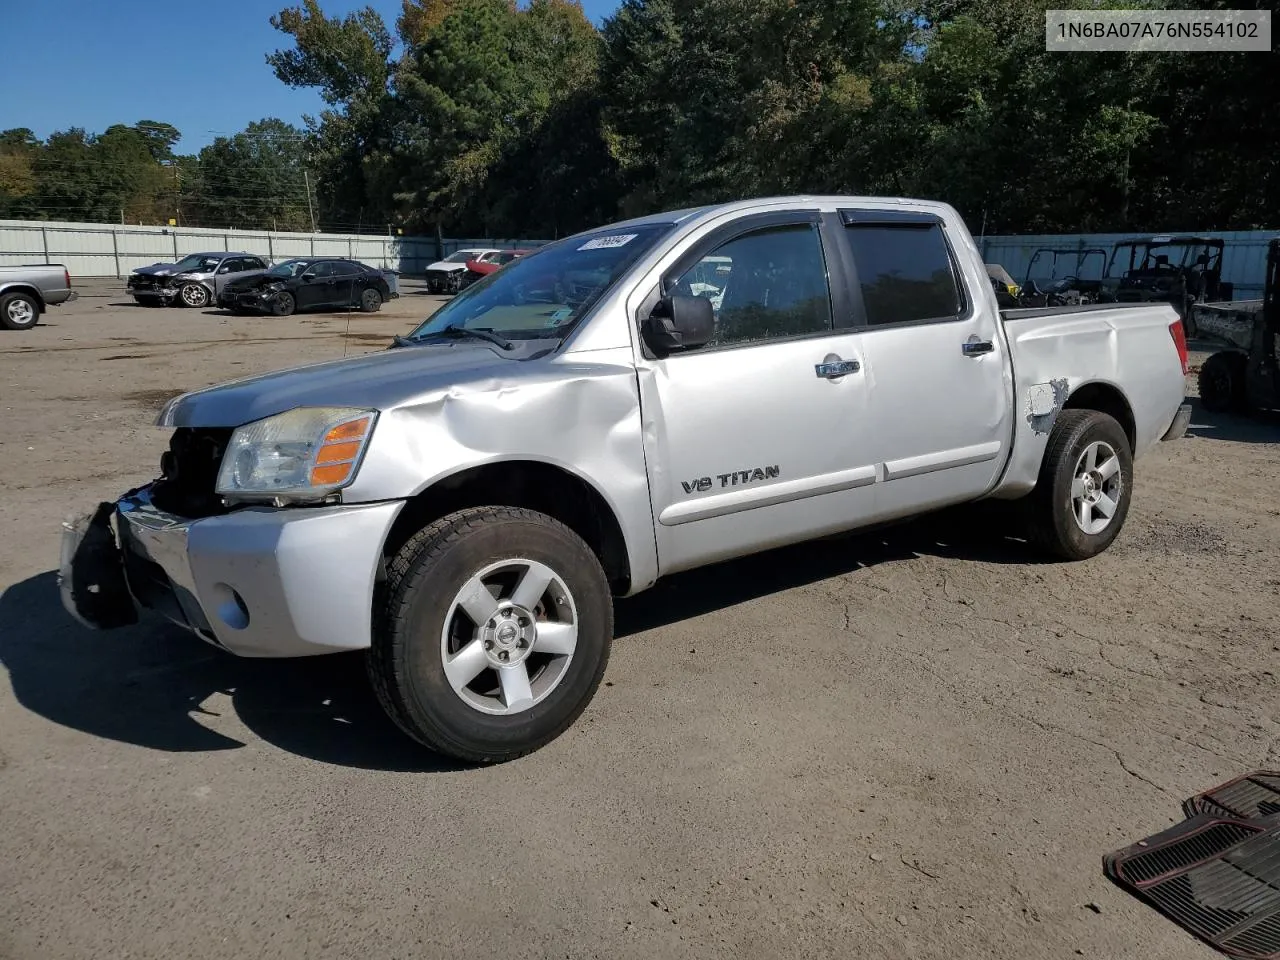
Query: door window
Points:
[905, 272]
[323, 271]
[764, 285]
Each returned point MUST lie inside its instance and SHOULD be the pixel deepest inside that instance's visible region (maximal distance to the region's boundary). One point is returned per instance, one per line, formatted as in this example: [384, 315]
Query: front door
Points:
[319, 290]
[940, 395]
[757, 439]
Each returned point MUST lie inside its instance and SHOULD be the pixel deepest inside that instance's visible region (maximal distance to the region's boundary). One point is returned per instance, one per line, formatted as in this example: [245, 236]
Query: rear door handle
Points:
[835, 369]
[976, 348]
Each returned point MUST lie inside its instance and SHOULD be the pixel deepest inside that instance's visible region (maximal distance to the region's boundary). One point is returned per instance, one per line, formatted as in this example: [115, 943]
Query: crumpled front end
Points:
[151, 286]
[257, 582]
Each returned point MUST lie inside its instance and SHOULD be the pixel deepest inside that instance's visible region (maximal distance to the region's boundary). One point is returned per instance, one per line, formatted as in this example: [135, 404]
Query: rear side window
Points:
[905, 272]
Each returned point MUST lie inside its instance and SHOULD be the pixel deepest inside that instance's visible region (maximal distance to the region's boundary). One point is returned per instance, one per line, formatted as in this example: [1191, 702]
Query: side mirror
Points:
[679, 323]
[308, 275]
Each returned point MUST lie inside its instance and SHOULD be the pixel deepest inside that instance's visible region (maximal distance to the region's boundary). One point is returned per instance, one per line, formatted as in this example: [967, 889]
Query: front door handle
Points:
[835, 369]
[976, 348]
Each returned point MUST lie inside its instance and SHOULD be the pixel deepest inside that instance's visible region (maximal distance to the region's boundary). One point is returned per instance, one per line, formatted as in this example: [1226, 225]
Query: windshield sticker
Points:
[560, 316]
[609, 243]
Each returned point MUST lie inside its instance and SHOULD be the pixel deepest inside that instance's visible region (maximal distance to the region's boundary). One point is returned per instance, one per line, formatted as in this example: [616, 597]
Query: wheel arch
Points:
[547, 488]
[26, 288]
[1106, 398]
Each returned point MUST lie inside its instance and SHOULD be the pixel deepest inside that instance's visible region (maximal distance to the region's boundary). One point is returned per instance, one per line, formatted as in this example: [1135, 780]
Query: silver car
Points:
[195, 280]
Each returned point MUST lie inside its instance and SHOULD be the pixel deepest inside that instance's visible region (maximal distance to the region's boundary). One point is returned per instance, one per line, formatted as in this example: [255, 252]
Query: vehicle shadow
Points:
[977, 532]
[148, 685]
[1262, 426]
[151, 684]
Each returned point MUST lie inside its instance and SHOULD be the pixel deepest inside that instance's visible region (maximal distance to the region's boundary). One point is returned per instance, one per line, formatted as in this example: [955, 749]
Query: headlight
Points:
[304, 454]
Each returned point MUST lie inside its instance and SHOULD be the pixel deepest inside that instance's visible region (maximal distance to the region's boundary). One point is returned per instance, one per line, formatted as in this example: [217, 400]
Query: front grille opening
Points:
[189, 472]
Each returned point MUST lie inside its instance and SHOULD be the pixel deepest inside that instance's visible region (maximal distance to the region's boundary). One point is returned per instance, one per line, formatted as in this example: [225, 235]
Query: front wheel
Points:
[283, 305]
[1082, 497]
[492, 633]
[194, 295]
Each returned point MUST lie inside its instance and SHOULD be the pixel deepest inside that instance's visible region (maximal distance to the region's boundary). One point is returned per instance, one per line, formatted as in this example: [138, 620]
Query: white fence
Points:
[110, 250]
[1244, 258]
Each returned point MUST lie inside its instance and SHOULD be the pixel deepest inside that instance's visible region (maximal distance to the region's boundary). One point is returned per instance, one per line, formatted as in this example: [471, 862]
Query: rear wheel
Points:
[18, 311]
[492, 633]
[1222, 383]
[1082, 497]
[371, 300]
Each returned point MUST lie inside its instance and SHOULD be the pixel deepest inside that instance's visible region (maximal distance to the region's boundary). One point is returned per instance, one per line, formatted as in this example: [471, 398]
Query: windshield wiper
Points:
[480, 333]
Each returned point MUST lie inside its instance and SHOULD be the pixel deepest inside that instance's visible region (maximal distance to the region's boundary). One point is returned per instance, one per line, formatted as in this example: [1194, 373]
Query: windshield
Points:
[197, 261]
[543, 294]
[290, 268]
[1048, 265]
[462, 256]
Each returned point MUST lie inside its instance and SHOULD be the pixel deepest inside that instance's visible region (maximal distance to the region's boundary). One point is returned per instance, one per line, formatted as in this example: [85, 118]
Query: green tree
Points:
[18, 151]
[252, 179]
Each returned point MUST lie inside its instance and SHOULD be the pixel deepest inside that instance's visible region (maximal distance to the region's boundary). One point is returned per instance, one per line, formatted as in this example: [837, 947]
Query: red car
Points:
[489, 263]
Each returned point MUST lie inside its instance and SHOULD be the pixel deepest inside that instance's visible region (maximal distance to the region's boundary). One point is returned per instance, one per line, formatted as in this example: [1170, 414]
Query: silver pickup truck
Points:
[465, 505]
[27, 291]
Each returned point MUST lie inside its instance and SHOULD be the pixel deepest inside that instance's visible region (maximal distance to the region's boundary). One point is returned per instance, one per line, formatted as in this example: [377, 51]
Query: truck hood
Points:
[376, 381]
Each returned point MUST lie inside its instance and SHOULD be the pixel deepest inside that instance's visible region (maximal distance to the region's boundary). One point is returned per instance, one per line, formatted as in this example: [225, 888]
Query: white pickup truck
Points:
[465, 505]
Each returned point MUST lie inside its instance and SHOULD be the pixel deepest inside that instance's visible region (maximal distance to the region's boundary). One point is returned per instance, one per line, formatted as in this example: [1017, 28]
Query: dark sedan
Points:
[310, 283]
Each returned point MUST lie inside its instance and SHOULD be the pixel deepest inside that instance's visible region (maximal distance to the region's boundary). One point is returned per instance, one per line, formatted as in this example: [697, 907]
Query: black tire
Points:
[406, 663]
[193, 295]
[1051, 519]
[18, 311]
[371, 300]
[1222, 383]
[284, 304]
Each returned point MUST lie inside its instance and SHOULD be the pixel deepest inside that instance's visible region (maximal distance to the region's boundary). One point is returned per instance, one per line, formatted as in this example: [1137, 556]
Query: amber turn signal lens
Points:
[330, 473]
[351, 430]
[337, 453]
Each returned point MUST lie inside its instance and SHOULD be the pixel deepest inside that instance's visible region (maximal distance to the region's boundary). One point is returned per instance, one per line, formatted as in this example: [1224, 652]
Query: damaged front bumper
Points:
[165, 295]
[258, 582]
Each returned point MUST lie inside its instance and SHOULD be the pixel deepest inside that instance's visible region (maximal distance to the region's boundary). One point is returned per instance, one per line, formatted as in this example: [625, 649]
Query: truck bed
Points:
[1029, 313]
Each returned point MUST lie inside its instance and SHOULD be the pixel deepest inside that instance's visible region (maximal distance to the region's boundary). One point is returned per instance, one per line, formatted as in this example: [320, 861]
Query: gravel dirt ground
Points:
[918, 743]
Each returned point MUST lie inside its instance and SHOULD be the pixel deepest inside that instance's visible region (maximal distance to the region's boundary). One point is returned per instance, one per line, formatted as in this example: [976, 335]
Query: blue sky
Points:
[198, 65]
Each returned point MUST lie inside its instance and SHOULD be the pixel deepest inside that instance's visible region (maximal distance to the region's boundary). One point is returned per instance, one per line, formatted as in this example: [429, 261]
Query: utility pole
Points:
[306, 181]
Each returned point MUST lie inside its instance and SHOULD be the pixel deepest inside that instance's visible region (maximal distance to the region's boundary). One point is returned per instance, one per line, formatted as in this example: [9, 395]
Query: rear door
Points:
[348, 282]
[758, 438]
[939, 382]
